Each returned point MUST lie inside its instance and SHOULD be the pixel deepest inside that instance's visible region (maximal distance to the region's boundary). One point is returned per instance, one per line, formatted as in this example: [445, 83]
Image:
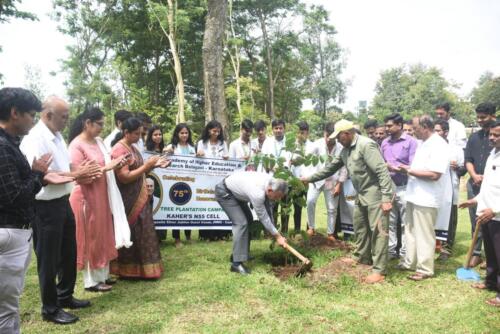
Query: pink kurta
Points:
[94, 223]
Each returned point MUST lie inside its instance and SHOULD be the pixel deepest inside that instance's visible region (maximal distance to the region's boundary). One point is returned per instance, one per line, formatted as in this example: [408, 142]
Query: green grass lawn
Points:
[198, 294]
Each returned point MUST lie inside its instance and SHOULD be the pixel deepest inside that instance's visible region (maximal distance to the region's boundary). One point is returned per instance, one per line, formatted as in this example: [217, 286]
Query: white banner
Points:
[184, 196]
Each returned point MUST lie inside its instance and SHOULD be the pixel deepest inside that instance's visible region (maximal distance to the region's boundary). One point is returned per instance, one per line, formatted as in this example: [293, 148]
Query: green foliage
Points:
[8, 10]
[283, 169]
[121, 58]
[487, 90]
[322, 55]
[414, 90]
[122, 55]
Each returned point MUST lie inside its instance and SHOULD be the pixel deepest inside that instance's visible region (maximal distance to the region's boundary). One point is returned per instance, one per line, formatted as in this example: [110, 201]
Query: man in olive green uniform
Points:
[372, 181]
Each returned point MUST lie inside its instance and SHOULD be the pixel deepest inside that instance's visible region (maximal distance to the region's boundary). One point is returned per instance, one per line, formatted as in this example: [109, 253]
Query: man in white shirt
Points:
[234, 194]
[241, 148]
[457, 169]
[457, 135]
[54, 229]
[120, 117]
[424, 194]
[331, 186]
[304, 145]
[275, 146]
[260, 129]
[488, 216]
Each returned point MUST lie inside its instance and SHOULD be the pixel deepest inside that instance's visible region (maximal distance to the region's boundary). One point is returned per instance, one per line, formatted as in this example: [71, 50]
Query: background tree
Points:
[414, 90]
[213, 62]
[8, 10]
[267, 15]
[323, 56]
[170, 14]
[487, 90]
[122, 58]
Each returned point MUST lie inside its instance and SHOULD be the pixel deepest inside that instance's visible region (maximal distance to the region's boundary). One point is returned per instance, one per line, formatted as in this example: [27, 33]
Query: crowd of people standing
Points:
[90, 206]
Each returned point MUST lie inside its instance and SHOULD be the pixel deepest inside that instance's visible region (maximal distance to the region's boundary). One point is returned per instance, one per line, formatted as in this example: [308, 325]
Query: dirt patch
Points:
[319, 241]
[286, 272]
[331, 272]
[338, 268]
[286, 265]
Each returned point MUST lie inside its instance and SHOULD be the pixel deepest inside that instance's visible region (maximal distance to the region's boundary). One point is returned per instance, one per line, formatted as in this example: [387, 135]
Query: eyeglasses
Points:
[100, 123]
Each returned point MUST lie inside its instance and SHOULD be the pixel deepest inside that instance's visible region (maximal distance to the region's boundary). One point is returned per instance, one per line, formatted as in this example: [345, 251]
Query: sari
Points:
[143, 258]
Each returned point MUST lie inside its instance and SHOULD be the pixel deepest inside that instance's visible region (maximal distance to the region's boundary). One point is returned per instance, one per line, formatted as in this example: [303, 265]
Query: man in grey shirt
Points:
[234, 194]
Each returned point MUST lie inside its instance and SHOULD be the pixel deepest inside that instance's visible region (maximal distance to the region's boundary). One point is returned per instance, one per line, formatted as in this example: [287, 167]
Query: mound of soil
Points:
[319, 241]
[337, 268]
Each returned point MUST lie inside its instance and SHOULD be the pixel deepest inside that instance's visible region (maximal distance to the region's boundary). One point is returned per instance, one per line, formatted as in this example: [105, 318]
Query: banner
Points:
[183, 195]
[346, 206]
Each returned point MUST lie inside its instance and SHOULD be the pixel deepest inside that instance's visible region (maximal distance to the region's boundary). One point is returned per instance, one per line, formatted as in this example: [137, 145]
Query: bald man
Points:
[54, 227]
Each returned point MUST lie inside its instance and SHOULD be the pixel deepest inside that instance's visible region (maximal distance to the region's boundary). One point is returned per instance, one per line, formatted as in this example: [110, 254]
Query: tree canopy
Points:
[122, 57]
[415, 90]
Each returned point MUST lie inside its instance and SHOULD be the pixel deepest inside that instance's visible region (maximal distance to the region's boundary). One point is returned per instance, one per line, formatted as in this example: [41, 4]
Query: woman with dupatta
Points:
[101, 224]
[143, 259]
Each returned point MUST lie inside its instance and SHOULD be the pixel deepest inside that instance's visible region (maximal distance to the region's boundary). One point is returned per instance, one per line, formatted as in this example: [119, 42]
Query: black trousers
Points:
[452, 227]
[297, 213]
[491, 239]
[177, 235]
[473, 191]
[54, 237]
[285, 217]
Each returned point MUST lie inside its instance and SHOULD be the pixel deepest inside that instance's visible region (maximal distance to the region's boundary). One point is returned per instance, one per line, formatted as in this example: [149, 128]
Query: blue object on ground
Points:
[468, 274]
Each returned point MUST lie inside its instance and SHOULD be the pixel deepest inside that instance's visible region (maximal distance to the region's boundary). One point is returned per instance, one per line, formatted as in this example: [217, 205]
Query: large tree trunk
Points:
[235, 61]
[213, 59]
[270, 81]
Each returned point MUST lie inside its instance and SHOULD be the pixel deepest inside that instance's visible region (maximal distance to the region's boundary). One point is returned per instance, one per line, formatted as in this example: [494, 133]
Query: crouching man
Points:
[234, 194]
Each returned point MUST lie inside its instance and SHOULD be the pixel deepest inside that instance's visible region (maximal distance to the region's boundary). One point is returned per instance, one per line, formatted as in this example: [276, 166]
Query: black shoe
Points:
[73, 303]
[240, 269]
[60, 317]
[250, 258]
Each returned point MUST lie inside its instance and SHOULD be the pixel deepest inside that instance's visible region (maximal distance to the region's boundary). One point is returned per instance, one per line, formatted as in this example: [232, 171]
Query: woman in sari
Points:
[91, 203]
[181, 144]
[143, 259]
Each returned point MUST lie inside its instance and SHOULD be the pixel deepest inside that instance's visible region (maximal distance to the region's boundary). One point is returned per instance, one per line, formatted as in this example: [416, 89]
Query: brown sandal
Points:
[493, 302]
[419, 277]
[479, 286]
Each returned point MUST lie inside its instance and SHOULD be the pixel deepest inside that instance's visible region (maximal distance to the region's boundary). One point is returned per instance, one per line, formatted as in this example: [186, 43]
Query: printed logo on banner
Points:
[180, 193]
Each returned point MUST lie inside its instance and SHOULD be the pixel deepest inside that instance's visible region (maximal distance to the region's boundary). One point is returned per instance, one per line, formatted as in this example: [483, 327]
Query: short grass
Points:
[198, 294]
